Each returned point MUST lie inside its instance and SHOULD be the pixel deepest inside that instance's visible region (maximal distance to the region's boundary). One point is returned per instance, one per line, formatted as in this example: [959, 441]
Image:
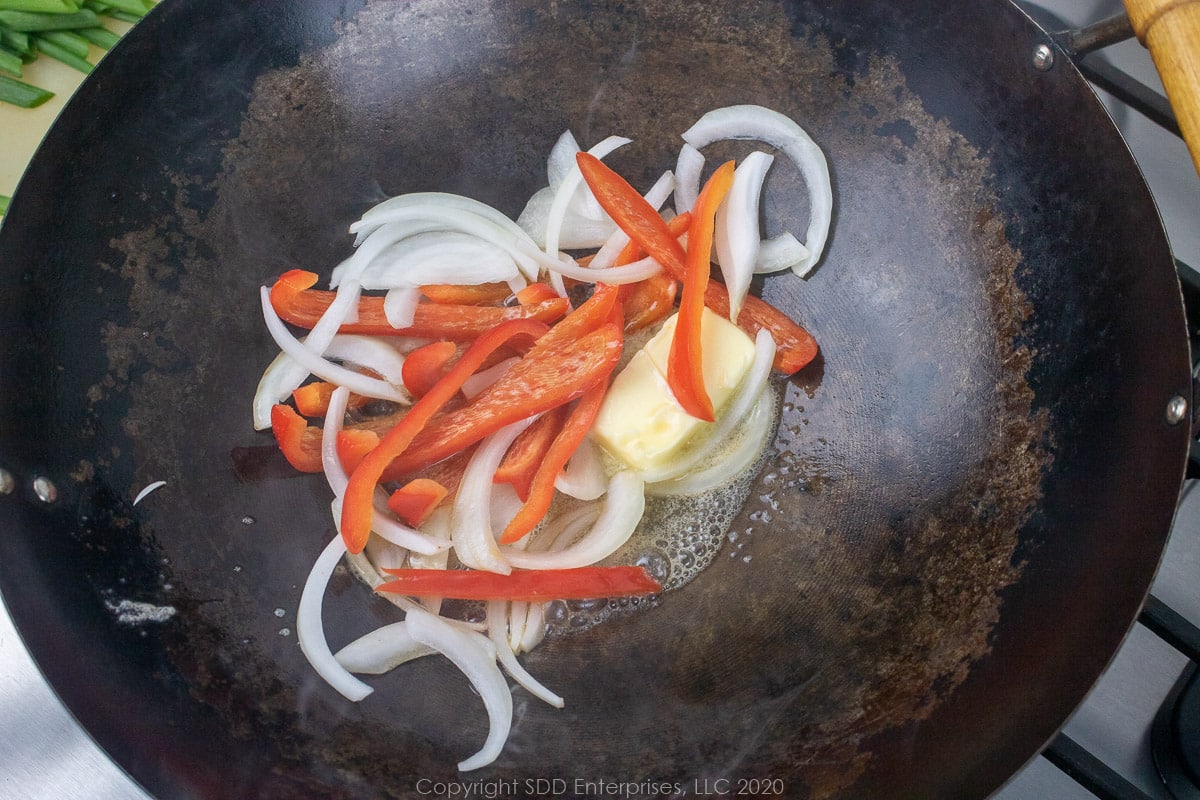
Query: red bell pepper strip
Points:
[565, 444]
[358, 501]
[548, 376]
[531, 585]
[301, 306]
[416, 500]
[299, 442]
[631, 212]
[794, 346]
[312, 399]
[536, 293]
[528, 451]
[483, 294]
[424, 367]
[685, 362]
[353, 444]
[591, 314]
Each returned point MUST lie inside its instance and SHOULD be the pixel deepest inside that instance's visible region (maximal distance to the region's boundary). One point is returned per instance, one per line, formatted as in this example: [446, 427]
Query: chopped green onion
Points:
[39, 6]
[101, 37]
[4, 201]
[10, 62]
[31, 21]
[17, 42]
[63, 54]
[135, 7]
[70, 41]
[22, 94]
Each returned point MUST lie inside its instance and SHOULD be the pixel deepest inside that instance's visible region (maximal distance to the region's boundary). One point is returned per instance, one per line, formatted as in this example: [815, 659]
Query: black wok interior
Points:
[958, 522]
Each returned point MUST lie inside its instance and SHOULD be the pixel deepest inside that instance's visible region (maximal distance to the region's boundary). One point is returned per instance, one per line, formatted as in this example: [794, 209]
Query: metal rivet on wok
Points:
[45, 490]
[1177, 408]
[1043, 57]
[7, 483]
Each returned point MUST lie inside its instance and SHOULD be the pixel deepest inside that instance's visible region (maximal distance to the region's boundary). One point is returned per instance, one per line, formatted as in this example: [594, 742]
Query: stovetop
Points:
[1105, 751]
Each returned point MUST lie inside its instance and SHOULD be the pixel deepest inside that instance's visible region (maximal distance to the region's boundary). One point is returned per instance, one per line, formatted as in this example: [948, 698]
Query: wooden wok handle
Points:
[1171, 31]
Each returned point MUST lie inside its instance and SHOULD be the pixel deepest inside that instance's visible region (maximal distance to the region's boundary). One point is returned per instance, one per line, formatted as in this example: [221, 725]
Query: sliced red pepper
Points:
[536, 293]
[685, 362]
[424, 367]
[416, 500]
[528, 451]
[631, 212]
[794, 346]
[358, 501]
[590, 315]
[312, 399]
[302, 307]
[299, 442]
[565, 444]
[353, 444]
[483, 294]
[548, 376]
[582, 583]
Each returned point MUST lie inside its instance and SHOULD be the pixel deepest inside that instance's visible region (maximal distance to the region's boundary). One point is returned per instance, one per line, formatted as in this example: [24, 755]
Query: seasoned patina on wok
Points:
[966, 499]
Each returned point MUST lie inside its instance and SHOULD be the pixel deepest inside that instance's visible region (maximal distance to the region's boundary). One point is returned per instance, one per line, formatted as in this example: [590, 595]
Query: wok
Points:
[959, 518]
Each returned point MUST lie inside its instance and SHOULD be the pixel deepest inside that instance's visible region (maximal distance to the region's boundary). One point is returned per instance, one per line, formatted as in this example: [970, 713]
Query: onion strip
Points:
[310, 630]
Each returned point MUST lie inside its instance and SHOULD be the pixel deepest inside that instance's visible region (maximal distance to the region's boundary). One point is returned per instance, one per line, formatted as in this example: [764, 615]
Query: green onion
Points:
[39, 6]
[22, 94]
[101, 37]
[31, 21]
[70, 41]
[63, 54]
[4, 201]
[10, 62]
[17, 42]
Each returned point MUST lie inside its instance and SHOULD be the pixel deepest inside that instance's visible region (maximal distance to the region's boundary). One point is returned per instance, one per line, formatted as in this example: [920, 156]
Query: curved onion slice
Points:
[578, 232]
[497, 616]
[310, 631]
[781, 132]
[584, 477]
[381, 650]
[369, 352]
[319, 366]
[737, 235]
[440, 257]
[727, 464]
[623, 509]
[475, 656]
[626, 273]
[400, 305]
[470, 521]
[779, 253]
[396, 208]
[742, 402]
[689, 166]
[535, 627]
[566, 191]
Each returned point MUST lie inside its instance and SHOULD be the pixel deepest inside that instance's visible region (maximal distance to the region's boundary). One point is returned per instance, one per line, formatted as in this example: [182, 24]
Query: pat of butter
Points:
[640, 422]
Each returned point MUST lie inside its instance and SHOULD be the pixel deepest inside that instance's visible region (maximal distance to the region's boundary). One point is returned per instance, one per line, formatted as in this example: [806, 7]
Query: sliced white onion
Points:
[623, 508]
[535, 627]
[737, 233]
[497, 616]
[440, 257]
[319, 366]
[626, 273]
[382, 650]
[729, 463]
[398, 207]
[486, 377]
[779, 253]
[689, 166]
[739, 405]
[471, 518]
[584, 477]
[475, 656]
[781, 132]
[147, 489]
[577, 232]
[369, 352]
[561, 160]
[400, 306]
[310, 630]
[331, 463]
[566, 191]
